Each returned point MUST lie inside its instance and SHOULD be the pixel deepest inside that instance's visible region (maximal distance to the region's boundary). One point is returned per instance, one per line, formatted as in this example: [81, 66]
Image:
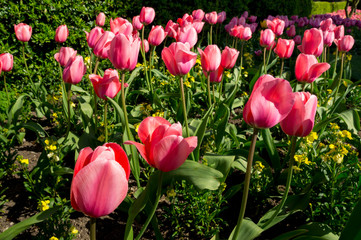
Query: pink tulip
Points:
[325, 25]
[64, 55]
[103, 44]
[172, 29]
[198, 15]
[215, 76]
[339, 32]
[123, 52]
[145, 45]
[328, 37]
[258, 53]
[23, 32]
[243, 33]
[299, 122]
[270, 102]
[297, 39]
[121, 25]
[100, 180]
[178, 58]
[284, 48]
[163, 146]
[231, 24]
[188, 34]
[307, 68]
[136, 23]
[61, 34]
[74, 70]
[267, 38]
[94, 36]
[292, 31]
[252, 19]
[276, 25]
[211, 18]
[7, 61]
[100, 20]
[156, 35]
[210, 58]
[221, 17]
[345, 43]
[147, 15]
[229, 57]
[312, 42]
[107, 86]
[198, 25]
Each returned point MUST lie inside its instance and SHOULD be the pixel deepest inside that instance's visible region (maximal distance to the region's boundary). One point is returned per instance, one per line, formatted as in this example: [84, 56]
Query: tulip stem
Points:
[124, 106]
[282, 64]
[288, 182]
[95, 97]
[92, 228]
[106, 120]
[214, 96]
[68, 127]
[142, 50]
[26, 65]
[210, 35]
[155, 205]
[220, 90]
[264, 60]
[241, 65]
[246, 183]
[151, 55]
[6, 89]
[334, 69]
[209, 89]
[96, 66]
[340, 79]
[184, 104]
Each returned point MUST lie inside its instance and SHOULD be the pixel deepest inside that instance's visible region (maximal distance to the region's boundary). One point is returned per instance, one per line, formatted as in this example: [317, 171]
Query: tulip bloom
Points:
[74, 70]
[64, 55]
[156, 35]
[107, 86]
[339, 32]
[136, 23]
[301, 119]
[94, 35]
[229, 57]
[172, 29]
[147, 15]
[188, 34]
[61, 34]
[292, 31]
[270, 102]
[210, 58]
[23, 32]
[100, 20]
[198, 25]
[267, 38]
[312, 42]
[145, 46]
[297, 39]
[325, 25]
[276, 25]
[100, 180]
[211, 18]
[328, 37]
[102, 46]
[215, 76]
[345, 43]
[198, 14]
[163, 146]
[121, 25]
[221, 17]
[243, 33]
[6, 60]
[178, 58]
[123, 52]
[284, 48]
[307, 68]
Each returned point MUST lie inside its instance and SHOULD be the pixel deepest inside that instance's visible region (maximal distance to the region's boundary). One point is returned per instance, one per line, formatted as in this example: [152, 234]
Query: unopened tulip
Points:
[156, 35]
[312, 42]
[229, 57]
[215, 76]
[23, 32]
[136, 23]
[284, 48]
[241, 32]
[100, 180]
[188, 34]
[307, 68]
[325, 25]
[123, 52]
[145, 45]
[211, 18]
[178, 58]
[100, 19]
[267, 38]
[345, 43]
[276, 25]
[301, 119]
[198, 25]
[163, 146]
[147, 15]
[297, 39]
[221, 17]
[61, 34]
[74, 70]
[94, 36]
[107, 86]
[252, 19]
[121, 25]
[210, 58]
[7, 61]
[270, 102]
[64, 55]
[328, 37]
[292, 31]
[198, 14]
[102, 46]
[258, 53]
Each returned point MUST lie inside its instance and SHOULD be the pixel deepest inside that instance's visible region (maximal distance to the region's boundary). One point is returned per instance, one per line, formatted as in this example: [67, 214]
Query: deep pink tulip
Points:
[136, 23]
[146, 45]
[258, 53]
[94, 36]
[103, 44]
[345, 43]
[100, 180]
[74, 70]
[276, 25]
[267, 38]
[198, 25]
[312, 42]
[299, 122]
[100, 20]
[7, 61]
[211, 18]
[325, 25]
[328, 37]
[107, 86]
[198, 14]
[270, 102]
[172, 29]
[188, 34]
[215, 76]
[284, 48]
[297, 39]
[64, 55]
[23, 32]
[221, 17]
[307, 68]
[292, 31]
[241, 32]
[339, 32]
[123, 52]
[178, 58]
[147, 15]
[156, 35]
[210, 58]
[121, 25]
[163, 146]
[229, 57]
[61, 34]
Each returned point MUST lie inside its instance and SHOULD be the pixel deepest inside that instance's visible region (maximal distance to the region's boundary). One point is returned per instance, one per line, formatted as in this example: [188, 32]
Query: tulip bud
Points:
[307, 68]
[211, 17]
[345, 43]
[339, 32]
[284, 48]
[198, 14]
[156, 35]
[312, 42]
[198, 25]
[328, 37]
[145, 46]
[276, 25]
[267, 38]
[188, 34]
[297, 39]
[221, 17]
[292, 31]
[210, 58]
[102, 46]
[94, 36]
[147, 15]
[172, 29]
[136, 23]
[229, 57]
[64, 55]
[121, 25]
[6, 60]
[23, 32]
[178, 58]
[100, 19]
[107, 86]
[74, 70]
[61, 34]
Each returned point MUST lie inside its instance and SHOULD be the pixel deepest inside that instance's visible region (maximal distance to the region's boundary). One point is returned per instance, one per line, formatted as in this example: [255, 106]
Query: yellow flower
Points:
[297, 169]
[311, 137]
[171, 193]
[244, 94]
[101, 138]
[72, 105]
[264, 24]
[344, 151]
[53, 238]
[52, 147]
[347, 134]
[331, 146]
[187, 84]
[44, 205]
[24, 161]
[136, 126]
[329, 91]
[55, 115]
[138, 65]
[245, 74]
[47, 142]
[149, 107]
[258, 166]
[334, 126]
[338, 158]
[73, 230]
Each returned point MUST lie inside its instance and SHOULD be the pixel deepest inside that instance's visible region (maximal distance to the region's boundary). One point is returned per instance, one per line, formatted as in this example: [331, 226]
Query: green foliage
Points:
[327, 7]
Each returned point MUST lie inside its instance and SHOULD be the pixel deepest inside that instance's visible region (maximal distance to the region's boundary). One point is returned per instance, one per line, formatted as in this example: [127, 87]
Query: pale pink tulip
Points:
[74, 70]
[156, 35]
[103, 44]
[188, 34]
[64, 55]
[229, 57]
[276, 25]
[23, 32]
[284, 48]
[241, 32]
[312, 42]
[211, 18]
[61, 34]
[198, 14]
[147, 15]
[172, 29]
[345, 43]
[121, 25]
[94, 36]
[145, 45]
[178, 58]
[307, 68]
[198, 25]
[210, 58]
[328, 37]
[267, 38]
[136, 23]
[7, 61]
[100, 20]
[325, 25]
[339, 32]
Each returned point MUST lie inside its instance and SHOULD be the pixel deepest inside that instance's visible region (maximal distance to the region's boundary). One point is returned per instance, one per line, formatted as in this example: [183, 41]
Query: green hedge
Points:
[327, 7]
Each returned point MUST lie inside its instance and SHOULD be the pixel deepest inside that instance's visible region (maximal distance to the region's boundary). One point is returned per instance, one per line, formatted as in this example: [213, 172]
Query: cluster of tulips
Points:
[100, 180]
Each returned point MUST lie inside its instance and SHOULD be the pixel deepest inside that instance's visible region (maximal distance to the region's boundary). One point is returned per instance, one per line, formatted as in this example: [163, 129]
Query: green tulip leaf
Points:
[271, 149]
[310, 231]
[352, 230]
[200, 131]
[248, 231]
[220, 162]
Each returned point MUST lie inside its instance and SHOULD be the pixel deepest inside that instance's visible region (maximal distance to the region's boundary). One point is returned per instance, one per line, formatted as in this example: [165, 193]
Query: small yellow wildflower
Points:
[344, 151]
[329, 91]
[258, 166]
[245, 74]
[311, 137]
[149, 107]
[296, 169]
[24, 161]
[47, 142]
[346, 134]
[52, 147]
[136, 126]
[331, 146]
[73, 230]
[334, 126]
[244, 94]
[53, 238]
[72, 105]
[44, 205]
[55, 115]
[101, 138]
[138, 65]
[338, 158]
[171, 193]
[187, 84]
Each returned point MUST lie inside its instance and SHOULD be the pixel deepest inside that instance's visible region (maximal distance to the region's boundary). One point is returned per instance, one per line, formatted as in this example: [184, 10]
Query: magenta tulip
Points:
[276, 25]
[284, 48]
[121, 25]
[339, 32]
[312, 42]
[198, 14]
[210, 58]
[107, 86]
[7, 61]
[211, 17]
[23, 32]
[328, 37]
[61, 34]
[123, 52]
[156, 35]
[94, 35]
[145, 46]
[292, 31]
[163, 146]
[188, 34]
[299, 122]
[136, 23]
[221, 17]
[147, 15]
[229, 57]
[267, 38]
[345, 43]
[270, 102]
[64, 55]
[178, 58]
[100, 180]
[74, 70]
[297, 39]
[241, 32]
[103, 44]
[307, 68]
[100, 20]
[325, 25]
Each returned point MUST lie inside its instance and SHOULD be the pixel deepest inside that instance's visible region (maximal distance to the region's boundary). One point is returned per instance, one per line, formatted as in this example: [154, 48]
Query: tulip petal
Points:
[142, 151]
[120, 156]
[83, 159]
[168, 58]
[316, 70]
[148, 125]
